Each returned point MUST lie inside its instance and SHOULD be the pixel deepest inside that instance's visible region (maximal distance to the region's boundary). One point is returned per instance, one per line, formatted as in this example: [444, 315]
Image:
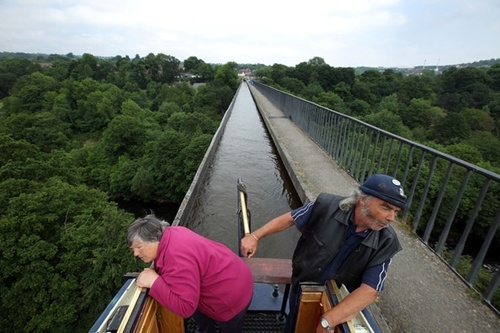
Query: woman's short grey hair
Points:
[352, 200]
[146, 229]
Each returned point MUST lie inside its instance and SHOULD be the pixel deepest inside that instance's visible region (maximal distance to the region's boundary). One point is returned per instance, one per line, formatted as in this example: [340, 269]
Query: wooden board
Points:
[270, 270]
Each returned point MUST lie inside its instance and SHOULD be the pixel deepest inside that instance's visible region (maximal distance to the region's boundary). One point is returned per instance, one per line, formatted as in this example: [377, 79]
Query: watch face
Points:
[324, 323]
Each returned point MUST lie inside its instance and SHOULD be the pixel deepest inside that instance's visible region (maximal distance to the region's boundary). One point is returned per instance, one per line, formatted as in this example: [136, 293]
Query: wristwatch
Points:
[326, 325]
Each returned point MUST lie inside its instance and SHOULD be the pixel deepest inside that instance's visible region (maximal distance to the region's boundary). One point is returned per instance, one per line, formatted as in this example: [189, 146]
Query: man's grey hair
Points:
[146, 229]
[352, 200]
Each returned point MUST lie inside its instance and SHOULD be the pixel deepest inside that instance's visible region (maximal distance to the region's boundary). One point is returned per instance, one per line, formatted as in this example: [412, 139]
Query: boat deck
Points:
[254, 323]
[267, 310]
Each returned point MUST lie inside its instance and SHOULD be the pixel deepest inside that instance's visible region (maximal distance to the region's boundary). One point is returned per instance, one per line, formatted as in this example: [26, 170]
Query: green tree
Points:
[390, 103]
[83, 68]
[121, 178]
[451, 129]
[421, 114]
[214, 98]
[359, 108]
[169, 68]
[59, 241]
[478, 120]
[192, 63]
[125, 135]
[226, 75]
[316, 62]
[11, 70]
[464, 152]
[312, 90]
[143, 184]
[163, 161]
[293, 85]
[159, 68]
[27, 94]
[467, 87]
[330, 100]
[388, 121]
[487, 144]
[278, 72]
[419, 87]
[42, 129]
[206, 72]
[302, 72]
[179, 94]
[190, 123]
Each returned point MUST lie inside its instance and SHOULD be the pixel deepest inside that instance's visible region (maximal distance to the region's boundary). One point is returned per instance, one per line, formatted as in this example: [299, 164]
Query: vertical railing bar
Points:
[333, 140]
[437, 204]
[354, 142]
[426, 190]
[324, 129]
[372, 162]
[346, 145]
[363, 174]
[468, 227]
[360, 164]
[398, 159]
[451, 216]
[478, 261]
[328, 135]
[341, 139]
[494, 285]
[381, 155]
[408, 163]
[334, 148]
[318, 127]
[345, 140]
[389, 155]
[412, 191]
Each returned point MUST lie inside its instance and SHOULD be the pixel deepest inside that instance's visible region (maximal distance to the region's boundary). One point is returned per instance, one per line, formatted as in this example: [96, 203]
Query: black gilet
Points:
[324, 234]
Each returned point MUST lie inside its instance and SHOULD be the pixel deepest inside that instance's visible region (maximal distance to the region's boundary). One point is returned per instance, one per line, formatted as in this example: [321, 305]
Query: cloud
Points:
[344, 33]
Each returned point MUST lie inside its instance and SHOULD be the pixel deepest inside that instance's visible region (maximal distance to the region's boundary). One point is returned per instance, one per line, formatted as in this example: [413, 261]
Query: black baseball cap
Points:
[386, 188]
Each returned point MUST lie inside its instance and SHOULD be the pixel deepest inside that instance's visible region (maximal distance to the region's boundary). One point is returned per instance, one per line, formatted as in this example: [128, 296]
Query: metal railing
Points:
[454, 205]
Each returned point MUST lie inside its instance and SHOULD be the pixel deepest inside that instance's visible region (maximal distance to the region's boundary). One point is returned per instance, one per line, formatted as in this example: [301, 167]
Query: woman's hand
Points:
[146, 278]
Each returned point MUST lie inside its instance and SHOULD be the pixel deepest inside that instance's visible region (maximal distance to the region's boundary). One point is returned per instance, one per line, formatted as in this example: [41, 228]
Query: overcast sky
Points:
[345, 33]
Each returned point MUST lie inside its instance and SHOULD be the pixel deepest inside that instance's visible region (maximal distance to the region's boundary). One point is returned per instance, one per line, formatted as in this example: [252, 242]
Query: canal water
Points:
[245, 151]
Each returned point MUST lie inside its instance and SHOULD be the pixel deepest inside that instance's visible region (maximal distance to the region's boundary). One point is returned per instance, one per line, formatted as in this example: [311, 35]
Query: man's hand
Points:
[146, 278]
[249, 245]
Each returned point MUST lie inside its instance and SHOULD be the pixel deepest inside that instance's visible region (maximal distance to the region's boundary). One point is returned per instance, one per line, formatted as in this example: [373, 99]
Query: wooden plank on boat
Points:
[169, 321]
[270, 270]
[310, 307]
[147, 320]
[316, 299]
[133, 301]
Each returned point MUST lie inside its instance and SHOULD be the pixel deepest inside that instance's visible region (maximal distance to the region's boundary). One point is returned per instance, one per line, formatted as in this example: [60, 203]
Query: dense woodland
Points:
[75, 134]
[457, 111]
[78, 133]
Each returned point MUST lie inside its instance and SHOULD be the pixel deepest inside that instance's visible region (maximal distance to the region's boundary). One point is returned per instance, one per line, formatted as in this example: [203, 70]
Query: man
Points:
[192, 275]
[343, 238]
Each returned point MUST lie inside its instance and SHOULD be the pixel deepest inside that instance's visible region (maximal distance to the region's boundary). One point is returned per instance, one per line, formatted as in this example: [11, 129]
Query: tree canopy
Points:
[448, 108]
[76, 134]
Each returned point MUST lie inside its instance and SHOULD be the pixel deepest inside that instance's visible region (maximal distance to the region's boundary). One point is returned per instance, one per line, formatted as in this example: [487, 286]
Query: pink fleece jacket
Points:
[197, 273]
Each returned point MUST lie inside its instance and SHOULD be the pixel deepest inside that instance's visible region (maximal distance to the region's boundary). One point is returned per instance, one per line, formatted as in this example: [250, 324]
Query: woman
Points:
[192, 275]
